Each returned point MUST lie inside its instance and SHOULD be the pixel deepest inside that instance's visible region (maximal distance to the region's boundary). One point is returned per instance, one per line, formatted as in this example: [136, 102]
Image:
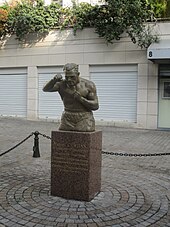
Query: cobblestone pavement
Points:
[135, 190]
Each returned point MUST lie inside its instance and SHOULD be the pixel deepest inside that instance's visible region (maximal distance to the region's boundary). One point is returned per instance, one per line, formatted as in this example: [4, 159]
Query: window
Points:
[166, 89]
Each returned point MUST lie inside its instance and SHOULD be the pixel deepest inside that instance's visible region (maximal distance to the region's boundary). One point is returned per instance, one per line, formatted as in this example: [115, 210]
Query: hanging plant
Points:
[33, 17]
[110, 21]
[3, 21]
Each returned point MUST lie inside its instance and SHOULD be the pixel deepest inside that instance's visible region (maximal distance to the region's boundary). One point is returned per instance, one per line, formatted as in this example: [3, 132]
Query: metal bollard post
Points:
[36, 153]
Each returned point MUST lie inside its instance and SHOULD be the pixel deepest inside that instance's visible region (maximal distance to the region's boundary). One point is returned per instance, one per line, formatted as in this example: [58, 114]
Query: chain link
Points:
[134, 155]
[48, 137]
[103, 152]
[12, 148]
[122, 154]
[33, 133]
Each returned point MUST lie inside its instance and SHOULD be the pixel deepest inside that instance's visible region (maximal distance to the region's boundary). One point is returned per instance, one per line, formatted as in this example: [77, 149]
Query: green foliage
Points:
[78, 17]
[33, 17]
[110, 20]
[3, 20]
[120, 16]
[158, 7]
[168, 9]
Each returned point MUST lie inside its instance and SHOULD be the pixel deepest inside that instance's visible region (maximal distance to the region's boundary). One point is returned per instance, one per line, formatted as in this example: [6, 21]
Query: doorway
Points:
[164, 97]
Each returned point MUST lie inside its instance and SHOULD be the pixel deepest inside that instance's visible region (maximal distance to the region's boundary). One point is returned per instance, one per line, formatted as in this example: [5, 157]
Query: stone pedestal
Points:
[76, 164]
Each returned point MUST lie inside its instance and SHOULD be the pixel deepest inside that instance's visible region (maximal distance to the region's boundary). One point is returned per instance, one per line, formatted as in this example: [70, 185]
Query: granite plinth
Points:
[76, 164]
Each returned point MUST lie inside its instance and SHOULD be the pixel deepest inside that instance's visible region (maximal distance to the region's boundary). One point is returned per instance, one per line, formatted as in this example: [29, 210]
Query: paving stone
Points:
[30, 224]
[72, 225]
[134, 192]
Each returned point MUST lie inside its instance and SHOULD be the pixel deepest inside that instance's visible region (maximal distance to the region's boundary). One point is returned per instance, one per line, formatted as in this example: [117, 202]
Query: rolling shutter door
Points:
[50, 104]
[13, 92]
[117, 92]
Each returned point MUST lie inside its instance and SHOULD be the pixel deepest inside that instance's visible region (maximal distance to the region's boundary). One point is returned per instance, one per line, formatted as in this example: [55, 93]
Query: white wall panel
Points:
[50, 104]
[13, 92]
[117, 92]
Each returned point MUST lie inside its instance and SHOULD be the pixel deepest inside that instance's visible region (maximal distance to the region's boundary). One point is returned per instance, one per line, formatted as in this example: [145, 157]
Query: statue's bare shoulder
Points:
[89, 84]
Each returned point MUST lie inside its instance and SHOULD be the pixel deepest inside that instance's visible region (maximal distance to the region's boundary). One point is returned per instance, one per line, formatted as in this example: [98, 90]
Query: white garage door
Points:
[13, 92]
[117, 92]
[50, 104]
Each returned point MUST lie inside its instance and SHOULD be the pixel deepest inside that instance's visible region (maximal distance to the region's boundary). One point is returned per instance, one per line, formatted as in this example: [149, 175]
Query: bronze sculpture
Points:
[79, 98]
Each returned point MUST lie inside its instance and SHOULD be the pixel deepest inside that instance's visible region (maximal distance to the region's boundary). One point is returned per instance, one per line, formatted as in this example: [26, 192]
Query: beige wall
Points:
[85, 49]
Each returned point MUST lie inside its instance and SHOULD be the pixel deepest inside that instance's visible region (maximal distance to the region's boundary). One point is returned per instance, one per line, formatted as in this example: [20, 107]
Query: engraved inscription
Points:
[66, 162]
[71, 153]
[71, 145]
[69, 168]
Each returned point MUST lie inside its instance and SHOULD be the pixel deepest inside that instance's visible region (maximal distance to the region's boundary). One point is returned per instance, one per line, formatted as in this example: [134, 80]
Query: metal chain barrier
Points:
[48, 137]
[37, 154]
[123, 154]
[134, 155]
[12, 148]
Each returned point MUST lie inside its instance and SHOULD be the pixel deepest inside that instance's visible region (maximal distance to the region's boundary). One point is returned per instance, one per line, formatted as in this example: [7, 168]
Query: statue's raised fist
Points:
[58, 77]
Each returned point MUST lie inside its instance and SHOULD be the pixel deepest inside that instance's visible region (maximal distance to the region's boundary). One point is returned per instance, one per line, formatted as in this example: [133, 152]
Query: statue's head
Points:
[71, 74]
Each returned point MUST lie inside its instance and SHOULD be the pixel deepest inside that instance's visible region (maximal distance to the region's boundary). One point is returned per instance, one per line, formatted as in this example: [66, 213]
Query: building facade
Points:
[133, 86]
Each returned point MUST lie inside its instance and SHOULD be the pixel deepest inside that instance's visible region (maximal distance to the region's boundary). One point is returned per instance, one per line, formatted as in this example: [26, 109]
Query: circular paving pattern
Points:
[127, 198]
